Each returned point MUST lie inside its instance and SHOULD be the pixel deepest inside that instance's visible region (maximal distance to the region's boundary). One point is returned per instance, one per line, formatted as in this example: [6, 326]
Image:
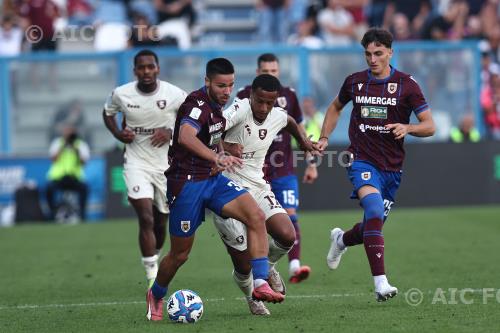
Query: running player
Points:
[383, 99]
[149, 107]
[279, 169]
[254, 123]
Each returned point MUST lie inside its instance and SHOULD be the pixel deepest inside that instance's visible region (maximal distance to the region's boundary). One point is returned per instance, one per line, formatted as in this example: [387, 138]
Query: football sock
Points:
[244, 282]
[158, 291]
[354, 236]
[260, 270]
[151, 266]
[276, 251]
[372, 232]
[293, 266]
[295, 251]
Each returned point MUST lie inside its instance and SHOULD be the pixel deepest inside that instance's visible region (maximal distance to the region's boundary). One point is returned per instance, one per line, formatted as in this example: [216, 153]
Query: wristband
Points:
[323, 137]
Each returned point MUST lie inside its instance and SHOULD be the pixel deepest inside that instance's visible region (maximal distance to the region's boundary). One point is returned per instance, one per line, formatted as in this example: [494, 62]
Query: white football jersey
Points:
[255, 138]
[143, 113]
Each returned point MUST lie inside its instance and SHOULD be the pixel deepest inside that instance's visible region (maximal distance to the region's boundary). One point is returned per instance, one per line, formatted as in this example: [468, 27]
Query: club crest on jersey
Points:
[282, 102]
[185, 226]
[161, 103]
[136, 188]
[366, 175]
[392, 87]
[262, 133]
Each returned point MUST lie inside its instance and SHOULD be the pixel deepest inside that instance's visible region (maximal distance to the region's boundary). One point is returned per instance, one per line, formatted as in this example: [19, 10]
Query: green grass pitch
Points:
[88, 278]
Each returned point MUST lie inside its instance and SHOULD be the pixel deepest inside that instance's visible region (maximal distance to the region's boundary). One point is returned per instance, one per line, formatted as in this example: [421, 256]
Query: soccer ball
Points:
[185, 306]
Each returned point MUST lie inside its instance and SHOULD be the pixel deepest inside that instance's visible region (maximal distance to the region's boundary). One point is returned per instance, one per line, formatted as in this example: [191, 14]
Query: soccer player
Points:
[279, 163]
[254, 123]
[383, 99]
[194, 184]
[149, 107]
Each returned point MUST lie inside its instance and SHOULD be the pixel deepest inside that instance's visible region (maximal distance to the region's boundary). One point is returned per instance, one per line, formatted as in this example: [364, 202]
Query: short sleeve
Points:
[55, 146]
[195, 115]
[416, 99]
[234, 114]
[344, 95]
[112, 104]
[84, 151]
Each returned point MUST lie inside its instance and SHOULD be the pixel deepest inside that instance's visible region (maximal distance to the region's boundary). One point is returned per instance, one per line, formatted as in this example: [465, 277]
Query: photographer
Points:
[69, 154]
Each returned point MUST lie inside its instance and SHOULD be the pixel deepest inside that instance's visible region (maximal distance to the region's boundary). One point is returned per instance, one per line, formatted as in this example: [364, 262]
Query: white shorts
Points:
[233, 232]
[143, 184]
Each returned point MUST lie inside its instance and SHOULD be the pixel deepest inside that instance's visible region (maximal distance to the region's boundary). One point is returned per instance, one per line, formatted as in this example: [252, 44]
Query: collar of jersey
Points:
[374, 79]
[215, 106]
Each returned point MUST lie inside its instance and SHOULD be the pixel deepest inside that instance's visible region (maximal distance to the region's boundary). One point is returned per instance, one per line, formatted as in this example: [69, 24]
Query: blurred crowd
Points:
[120, 24]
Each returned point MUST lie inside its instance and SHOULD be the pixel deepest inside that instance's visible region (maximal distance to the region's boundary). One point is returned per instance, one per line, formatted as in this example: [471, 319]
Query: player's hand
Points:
[234, 149]
[161, 136]
[321, 145]
[399, 130]
[309, 146]
[310, 174]
[228, 162]
[126, 135]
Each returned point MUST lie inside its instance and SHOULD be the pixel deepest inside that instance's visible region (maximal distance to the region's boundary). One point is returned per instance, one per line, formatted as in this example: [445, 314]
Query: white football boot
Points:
[384, 291]
[275, 281]
[335, 252]
[258, 308]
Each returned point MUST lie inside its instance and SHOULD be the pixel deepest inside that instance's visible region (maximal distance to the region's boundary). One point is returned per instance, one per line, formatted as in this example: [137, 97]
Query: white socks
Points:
[293, 266]
[276, 251]
[151, 266]
[245, 283]
[380, 280]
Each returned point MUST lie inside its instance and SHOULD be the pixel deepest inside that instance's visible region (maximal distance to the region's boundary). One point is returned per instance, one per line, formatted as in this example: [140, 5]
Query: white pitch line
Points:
[95, 304]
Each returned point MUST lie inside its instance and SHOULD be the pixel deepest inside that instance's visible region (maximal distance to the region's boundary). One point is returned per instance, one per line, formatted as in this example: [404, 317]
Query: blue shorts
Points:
[286, 191]
[187, 210]
[387, 182]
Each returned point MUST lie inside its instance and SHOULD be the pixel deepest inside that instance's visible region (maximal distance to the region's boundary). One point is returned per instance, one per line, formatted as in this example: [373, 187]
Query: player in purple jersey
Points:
[279, 170]
[194, 182]
[383, 100]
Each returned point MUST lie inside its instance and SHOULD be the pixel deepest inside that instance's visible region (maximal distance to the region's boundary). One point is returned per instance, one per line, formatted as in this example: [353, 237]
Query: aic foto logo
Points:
[378, 128]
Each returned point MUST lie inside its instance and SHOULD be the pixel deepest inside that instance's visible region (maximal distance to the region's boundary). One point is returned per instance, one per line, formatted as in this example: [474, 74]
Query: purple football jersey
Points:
[279, 158]
[206, 116]
[377, 103]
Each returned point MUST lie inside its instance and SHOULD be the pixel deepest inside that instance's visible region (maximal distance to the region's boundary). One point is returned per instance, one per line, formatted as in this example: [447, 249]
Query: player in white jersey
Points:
[251, 126]
[149, 107]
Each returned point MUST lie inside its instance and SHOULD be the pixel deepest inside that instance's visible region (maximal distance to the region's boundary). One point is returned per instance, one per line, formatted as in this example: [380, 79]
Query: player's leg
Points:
[286, 190]
[160, 228]
[160, 210]
[140, 192]
[180, 247]
[234, 236]
[230, 200]
[51, 190]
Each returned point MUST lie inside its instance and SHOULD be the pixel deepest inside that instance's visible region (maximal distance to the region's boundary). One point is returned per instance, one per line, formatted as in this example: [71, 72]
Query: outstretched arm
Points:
[300, 135]
[330, 122]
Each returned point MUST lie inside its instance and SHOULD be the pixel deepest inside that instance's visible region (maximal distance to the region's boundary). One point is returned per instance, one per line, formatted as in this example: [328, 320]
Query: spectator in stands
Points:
[175, 17]
[273, 21]
[305, 35]
[336, 24]
[375, 12]
[11, 37]
[466, 131]
[417, 12]
[70, 114]
[400, 27]
[39, 17]
[448, 25]
[143, 33]
[80, 12]
[68, 154]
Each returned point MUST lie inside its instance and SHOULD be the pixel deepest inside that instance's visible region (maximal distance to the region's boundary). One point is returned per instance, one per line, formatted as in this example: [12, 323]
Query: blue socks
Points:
[158, 291]
[260, 268]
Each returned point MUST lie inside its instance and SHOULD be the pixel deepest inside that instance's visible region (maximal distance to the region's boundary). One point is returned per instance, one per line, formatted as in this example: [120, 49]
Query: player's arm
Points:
[126, 135]
[330, 122]
[189, 140]
[424, 128]
[299, 134]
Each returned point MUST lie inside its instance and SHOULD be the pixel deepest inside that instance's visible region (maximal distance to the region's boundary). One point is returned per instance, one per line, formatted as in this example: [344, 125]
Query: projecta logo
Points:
[161, 103]
[366, 175]
[374, 112]
[262, 134]
[377, 128]
[240, 239]
[136, 188]
[185, 226]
